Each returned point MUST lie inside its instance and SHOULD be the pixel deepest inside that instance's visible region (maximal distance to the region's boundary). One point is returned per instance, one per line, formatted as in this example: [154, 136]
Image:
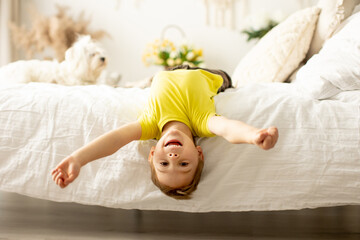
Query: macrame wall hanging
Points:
[137, 3]
[305, 3]
[220, 13]
[223, 13]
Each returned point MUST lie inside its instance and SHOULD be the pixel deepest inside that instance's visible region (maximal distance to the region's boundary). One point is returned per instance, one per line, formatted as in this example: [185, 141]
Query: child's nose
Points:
[173, 155]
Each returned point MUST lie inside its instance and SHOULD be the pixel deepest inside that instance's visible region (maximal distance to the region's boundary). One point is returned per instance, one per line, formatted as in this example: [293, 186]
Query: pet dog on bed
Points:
[83, 64]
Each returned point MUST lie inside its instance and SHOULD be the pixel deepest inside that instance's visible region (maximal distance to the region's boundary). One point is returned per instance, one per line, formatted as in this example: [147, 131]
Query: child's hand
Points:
[66, 171]
[266, 138]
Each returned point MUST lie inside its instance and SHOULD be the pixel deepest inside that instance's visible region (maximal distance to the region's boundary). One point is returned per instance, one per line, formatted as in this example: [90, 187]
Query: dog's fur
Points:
[83, 64]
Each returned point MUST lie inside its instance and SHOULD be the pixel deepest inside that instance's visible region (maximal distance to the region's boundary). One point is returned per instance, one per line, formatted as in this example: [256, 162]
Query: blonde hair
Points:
[182, 192]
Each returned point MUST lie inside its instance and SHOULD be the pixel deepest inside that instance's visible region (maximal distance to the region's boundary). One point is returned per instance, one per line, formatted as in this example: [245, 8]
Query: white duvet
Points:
[315, 163]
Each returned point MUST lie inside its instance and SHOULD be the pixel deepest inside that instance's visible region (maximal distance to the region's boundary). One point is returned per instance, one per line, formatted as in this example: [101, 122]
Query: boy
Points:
[180, 107]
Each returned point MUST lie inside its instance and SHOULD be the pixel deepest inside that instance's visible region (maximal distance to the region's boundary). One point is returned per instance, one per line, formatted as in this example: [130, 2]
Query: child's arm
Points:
[238, 132]
[68, 169]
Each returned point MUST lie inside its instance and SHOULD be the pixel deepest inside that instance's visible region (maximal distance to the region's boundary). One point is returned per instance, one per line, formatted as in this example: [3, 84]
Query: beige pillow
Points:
[333, 12]
[280, 51]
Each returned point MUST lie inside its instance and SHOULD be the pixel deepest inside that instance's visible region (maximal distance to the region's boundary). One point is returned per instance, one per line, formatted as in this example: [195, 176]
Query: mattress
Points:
[315, 163]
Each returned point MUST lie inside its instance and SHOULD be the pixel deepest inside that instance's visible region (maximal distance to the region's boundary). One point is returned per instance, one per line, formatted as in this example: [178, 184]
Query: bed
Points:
[316, 162]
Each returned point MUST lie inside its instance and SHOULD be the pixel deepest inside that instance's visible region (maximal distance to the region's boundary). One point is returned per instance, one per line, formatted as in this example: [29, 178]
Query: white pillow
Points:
[337, 66]
[312, 79]
[333, 12]
[279, 52]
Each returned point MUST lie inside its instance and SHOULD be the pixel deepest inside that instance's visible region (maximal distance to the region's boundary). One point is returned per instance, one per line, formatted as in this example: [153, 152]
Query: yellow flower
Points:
[199, 52]
[173, 54]
[178, 61]
[190, 56]
[170, 62]
[159, 61]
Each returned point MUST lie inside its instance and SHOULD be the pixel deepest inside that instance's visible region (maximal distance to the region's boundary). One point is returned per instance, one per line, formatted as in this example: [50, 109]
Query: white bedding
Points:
[315, 163]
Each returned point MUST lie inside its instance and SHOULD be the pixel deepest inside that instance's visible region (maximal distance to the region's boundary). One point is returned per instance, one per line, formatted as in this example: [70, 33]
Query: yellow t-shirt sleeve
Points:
[200, 125]
[149, 127]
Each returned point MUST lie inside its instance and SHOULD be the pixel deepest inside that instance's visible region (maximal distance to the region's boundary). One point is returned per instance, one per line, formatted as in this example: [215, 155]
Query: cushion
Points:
[333, 12]
[336, 67]
[279, 52]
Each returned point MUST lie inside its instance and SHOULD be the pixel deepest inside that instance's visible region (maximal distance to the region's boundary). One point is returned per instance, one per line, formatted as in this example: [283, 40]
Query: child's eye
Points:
[184, 164]
[164, 164]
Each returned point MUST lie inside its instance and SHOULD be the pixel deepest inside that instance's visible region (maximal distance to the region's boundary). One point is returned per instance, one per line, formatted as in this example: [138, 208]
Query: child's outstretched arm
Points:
[235, 131]
[68, 169]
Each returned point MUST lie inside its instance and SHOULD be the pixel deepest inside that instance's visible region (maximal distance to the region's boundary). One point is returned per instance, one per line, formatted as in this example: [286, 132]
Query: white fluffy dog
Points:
[83, 64]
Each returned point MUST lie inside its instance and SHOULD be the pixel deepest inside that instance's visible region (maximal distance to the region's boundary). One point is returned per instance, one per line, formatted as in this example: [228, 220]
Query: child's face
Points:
[175, 159]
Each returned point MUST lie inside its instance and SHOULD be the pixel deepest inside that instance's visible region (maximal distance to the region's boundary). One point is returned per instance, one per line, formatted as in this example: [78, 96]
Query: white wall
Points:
[134, 23]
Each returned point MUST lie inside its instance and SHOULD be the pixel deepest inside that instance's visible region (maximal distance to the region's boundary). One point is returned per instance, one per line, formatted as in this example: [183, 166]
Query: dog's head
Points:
[86, 60]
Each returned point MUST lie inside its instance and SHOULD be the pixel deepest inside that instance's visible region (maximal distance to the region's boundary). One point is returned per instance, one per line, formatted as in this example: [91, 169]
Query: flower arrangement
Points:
[260, 24]
[165, 53]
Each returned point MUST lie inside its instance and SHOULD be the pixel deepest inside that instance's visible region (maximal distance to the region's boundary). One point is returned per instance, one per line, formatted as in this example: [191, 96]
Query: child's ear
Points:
[151, 153]
[200, 151]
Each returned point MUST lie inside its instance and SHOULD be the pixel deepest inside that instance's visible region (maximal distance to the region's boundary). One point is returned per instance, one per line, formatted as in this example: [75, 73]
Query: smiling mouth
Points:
[173, 143]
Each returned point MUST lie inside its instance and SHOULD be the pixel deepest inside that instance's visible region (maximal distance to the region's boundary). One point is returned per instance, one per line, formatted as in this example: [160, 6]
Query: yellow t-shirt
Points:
[181, 95]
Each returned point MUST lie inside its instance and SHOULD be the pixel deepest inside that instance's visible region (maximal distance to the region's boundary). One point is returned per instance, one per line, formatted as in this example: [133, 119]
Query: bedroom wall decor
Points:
[9, 11]
[57, 32]
[221, 13]
[137, 3]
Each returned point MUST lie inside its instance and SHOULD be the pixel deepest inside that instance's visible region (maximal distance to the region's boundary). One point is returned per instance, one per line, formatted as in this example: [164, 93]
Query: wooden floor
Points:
[27, 218]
